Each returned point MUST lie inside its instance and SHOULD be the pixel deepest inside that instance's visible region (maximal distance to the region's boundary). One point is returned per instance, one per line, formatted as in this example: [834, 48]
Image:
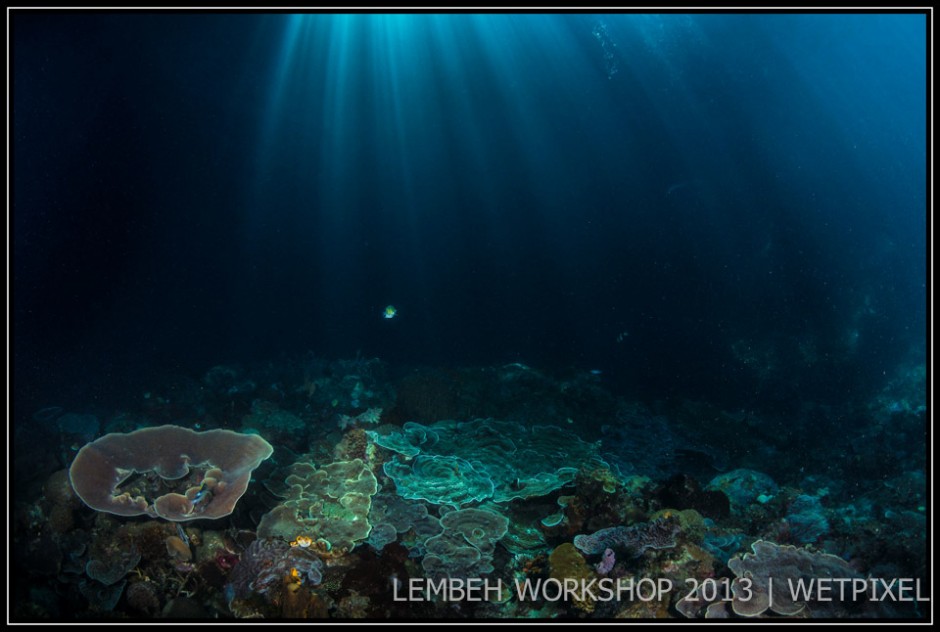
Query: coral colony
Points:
[439, 496]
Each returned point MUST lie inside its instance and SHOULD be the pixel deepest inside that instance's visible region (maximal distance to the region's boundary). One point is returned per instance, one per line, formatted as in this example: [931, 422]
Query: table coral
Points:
[168, 453]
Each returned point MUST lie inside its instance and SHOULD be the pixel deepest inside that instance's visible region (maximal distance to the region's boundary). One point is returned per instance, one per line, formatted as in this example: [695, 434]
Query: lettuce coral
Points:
[465, 547]
[331, 503]
[518, 462]
[440, 480]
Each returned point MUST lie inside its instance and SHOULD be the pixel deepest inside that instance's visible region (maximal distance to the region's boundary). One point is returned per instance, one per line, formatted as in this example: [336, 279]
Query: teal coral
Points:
[479, 527]
[382, 535]
[267, 416]
[392, 515]
[409, 441]
[465, 548]
[440, 480]
[518, 462]
[743, 487]
[396, 511]
[522, 539]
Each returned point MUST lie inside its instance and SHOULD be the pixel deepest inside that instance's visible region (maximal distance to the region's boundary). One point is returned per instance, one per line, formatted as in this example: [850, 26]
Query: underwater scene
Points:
[411, 317]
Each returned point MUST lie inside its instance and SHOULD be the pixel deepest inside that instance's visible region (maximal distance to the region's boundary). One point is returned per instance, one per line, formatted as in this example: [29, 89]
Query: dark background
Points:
[743, 197]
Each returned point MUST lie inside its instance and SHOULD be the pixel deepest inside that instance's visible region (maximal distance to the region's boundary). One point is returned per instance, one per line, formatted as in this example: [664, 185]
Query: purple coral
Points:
[607, 562]
[770, 564]
[658, 534]
[265, 564]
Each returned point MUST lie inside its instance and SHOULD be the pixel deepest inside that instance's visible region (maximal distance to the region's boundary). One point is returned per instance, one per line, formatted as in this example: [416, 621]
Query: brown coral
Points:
[149, 537]
[177, 549]
[352, 446]
[58, 490]
[142, 597]
[60, 519]
[566, 562]
[168, 452]
[691, 522]
[302, 603]
[354, 606]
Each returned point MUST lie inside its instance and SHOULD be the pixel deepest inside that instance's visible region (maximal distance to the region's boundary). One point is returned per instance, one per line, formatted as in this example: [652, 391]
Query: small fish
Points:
[202, 496]
[390, 312]
[596, 372]
[182, 534]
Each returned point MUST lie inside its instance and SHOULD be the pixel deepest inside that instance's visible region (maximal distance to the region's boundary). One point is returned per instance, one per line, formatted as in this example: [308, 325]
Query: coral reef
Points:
[684, 492]
[465, 546]
[806, 521]
[659, 534]
[270, 567]
[743, 487]
[143, 598]
[331, 503]
[101, 597]
[567, 564]
[370, 417]
[518, 462]
[607, 562]
[168, 452]
[771, 566]
[440, 480]
[367, 492]
[392, 515]
[269, 418]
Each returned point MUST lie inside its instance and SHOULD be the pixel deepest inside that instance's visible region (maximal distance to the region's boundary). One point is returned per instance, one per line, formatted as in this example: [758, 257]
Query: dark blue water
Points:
[192, 189]
[722, 208]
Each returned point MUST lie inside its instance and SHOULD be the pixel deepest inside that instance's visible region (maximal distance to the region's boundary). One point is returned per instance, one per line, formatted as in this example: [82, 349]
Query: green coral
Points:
[522, 538]
[330, 503]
